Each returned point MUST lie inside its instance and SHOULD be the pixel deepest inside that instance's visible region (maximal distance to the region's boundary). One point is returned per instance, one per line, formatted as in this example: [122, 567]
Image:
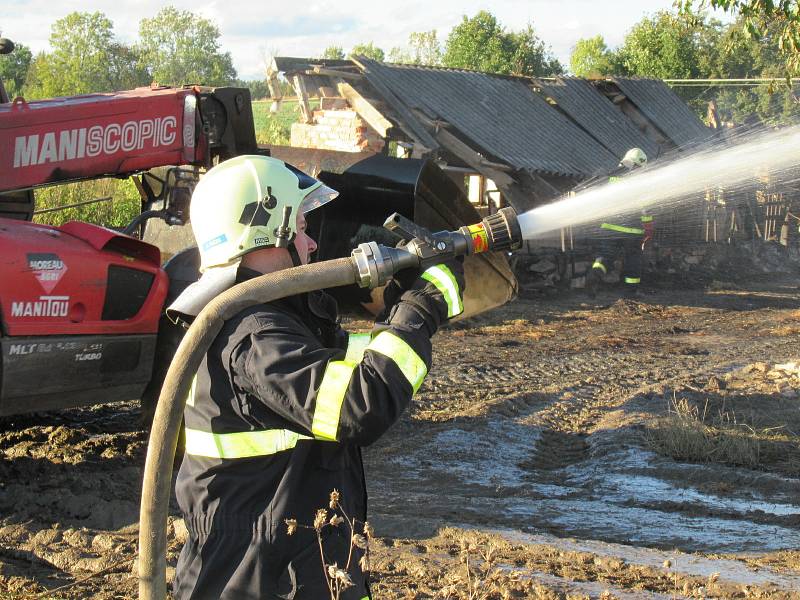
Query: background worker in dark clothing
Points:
[284, 400]
[629, 234]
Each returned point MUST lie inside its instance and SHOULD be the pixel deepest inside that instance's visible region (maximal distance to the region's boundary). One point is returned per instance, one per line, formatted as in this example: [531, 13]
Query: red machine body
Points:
[81, 305]
[80, 308]
[66, 278]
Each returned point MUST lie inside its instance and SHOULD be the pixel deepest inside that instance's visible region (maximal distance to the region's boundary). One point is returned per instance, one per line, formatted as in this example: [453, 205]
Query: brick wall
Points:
[336, 129]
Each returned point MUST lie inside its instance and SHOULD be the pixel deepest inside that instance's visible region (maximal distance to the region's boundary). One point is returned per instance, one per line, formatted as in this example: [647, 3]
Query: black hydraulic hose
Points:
[145, 216]
[157, 484]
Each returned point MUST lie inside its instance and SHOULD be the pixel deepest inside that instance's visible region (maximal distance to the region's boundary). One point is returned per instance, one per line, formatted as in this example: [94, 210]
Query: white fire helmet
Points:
[635, 157]
[239, 207]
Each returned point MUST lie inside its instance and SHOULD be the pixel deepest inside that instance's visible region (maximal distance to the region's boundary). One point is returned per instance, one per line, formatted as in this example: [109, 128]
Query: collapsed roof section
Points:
[502, 117]
[658, 103]
[534, 138]
[597, 115]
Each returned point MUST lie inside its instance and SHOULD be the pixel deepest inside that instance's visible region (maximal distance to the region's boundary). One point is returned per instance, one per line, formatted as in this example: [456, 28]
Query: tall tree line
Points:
[479, 43]
[685, 44]
[175, 47]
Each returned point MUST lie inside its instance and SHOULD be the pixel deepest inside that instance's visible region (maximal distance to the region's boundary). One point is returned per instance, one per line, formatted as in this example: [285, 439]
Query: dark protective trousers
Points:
[631, 246]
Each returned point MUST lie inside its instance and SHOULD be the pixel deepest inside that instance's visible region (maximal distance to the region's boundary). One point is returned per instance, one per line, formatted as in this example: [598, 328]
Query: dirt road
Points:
[559, 448]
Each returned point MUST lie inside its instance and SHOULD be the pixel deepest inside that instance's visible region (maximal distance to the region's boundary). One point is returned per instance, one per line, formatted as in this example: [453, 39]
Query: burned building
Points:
[517, 140]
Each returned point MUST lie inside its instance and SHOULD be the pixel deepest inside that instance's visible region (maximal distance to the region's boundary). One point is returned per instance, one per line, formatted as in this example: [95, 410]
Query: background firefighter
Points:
[284, 399]
[629, 233]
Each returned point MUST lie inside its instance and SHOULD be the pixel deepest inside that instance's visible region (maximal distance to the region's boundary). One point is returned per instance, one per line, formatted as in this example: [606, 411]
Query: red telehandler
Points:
[81, 306]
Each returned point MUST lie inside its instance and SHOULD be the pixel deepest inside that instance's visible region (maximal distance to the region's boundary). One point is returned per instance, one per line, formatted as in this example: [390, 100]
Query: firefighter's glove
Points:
[434, 297]
[397, 286]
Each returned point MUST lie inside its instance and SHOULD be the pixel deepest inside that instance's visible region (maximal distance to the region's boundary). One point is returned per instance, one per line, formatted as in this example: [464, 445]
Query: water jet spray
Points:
[671, 184]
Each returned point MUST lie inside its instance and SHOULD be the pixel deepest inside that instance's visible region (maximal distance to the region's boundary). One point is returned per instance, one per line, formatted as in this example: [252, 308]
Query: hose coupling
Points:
[375, 264]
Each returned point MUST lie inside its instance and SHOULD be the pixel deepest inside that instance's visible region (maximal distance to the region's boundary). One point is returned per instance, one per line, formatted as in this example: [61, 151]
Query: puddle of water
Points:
[605, 520]
[621, 483]
[732, 571]
[490, 458]
[484, 474]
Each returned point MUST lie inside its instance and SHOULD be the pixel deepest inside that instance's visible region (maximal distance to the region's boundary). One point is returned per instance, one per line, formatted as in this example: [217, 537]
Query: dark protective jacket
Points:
[632, 223]
[277, 414]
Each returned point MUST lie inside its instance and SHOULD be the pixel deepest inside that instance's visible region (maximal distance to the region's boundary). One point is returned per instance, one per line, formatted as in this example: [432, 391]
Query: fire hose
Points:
[370, 265]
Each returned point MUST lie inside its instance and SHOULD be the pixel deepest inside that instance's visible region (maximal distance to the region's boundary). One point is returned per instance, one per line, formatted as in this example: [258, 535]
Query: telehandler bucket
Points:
[372, 187]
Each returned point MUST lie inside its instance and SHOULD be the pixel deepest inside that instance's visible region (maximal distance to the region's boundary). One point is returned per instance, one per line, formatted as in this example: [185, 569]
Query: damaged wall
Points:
[335, 126]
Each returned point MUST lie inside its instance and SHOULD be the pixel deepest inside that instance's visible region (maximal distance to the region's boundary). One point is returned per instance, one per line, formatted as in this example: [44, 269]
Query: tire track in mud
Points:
[556, 450]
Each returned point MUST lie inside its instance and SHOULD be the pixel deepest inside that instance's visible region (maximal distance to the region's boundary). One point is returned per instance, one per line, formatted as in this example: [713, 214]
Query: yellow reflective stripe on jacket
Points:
[330, 397]
[244, 444]
[633, 279]
[647, 219]
[412, 366]
[621, 229]
[445, 282]
[598, 265]
[356, 344]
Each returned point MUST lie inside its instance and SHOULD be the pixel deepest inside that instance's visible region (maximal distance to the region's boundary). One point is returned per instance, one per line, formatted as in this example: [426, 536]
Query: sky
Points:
[254, 30]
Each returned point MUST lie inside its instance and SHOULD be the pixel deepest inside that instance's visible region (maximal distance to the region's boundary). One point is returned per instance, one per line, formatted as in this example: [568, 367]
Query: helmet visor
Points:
[320, 195]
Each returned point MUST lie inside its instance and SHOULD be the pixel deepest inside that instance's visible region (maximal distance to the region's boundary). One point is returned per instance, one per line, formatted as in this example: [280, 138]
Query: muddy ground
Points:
[560, 448]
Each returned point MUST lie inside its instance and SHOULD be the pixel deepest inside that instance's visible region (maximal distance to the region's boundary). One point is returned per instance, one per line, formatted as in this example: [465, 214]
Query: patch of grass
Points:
[789, 324]
[125, 202]
[786, 330]
[714, 433]
[276, 128]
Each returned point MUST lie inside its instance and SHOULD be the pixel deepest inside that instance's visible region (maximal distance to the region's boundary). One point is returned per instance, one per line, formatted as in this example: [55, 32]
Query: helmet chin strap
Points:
[294, 254]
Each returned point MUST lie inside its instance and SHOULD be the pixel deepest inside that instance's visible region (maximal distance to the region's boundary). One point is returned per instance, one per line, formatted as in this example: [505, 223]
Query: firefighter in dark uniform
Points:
[284, 398]
[629, 233]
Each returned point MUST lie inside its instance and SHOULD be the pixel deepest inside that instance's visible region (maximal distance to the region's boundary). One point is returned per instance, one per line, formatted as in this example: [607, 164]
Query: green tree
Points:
[759, 18]
[179, 47]
[399, 55]
[258, 87]
[482, 44]
[477, 43]
[85, 58]
[592, 58]
[333, 53]
[662, 46]
[423, 49]
[530, 56]
[369, 50]
[728, 52]
[14, 69]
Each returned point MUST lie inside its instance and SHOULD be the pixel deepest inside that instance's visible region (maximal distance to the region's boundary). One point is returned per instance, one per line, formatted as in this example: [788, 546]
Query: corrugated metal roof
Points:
[597, 115]
[665, 109]
[502, 117]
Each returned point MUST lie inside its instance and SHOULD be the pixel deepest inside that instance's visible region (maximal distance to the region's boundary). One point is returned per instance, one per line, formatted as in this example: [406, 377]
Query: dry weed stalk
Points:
[481, 577]
[337, 578]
